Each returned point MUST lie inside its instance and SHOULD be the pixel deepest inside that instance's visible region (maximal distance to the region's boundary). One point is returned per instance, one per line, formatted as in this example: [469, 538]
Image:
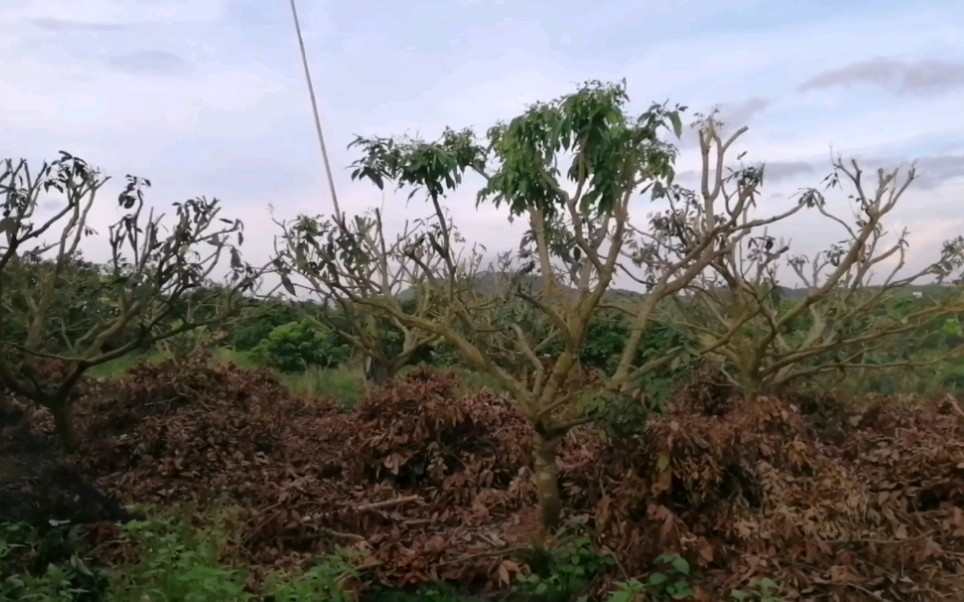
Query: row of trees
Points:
[576, 170]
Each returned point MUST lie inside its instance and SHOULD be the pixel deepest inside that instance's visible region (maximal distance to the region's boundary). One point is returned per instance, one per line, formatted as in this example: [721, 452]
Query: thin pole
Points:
[314, 109]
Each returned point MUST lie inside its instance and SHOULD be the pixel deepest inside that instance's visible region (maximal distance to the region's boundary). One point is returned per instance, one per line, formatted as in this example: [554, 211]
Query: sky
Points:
[207, 97]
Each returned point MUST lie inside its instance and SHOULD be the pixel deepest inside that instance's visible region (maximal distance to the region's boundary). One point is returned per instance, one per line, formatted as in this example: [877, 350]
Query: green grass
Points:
[120, 366]
[347, 385]
[344, 383]
[177, 562]
[181, 558]
[473, 381]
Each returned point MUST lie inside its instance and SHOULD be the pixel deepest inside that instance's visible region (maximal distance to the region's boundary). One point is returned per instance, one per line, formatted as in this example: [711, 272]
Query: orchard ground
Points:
[254, 489]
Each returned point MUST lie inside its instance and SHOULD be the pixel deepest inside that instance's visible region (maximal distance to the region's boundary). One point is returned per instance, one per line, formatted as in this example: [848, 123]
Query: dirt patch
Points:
[37, 484]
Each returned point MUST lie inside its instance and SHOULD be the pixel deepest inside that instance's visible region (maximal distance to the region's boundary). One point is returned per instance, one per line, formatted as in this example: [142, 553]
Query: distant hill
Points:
[924, 289]
[488, 282]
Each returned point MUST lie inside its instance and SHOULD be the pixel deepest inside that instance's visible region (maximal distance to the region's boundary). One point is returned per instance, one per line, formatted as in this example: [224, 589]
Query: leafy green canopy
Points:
[610, 152]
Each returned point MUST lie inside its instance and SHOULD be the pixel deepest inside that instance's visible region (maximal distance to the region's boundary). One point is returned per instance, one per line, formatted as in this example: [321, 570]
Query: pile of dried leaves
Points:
[435, 485]
[426, 481]
[758, 491]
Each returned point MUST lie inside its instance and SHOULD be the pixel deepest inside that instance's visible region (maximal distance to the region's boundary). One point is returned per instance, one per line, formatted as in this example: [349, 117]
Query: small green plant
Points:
[631, 590]
[673, 580]
[760, 590]
[296, 346]
[47, 564]
[179, 564]
[321, 583]
[561, 573]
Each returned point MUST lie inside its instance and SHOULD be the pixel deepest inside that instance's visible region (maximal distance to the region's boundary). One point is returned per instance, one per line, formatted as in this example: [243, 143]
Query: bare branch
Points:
[144, 294]
[842, 312]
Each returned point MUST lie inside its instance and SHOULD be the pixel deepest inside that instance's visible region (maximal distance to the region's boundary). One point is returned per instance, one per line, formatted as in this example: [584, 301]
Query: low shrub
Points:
[296, 346]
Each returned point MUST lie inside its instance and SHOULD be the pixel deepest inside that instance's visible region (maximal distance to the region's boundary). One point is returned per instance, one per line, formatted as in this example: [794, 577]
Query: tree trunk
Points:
[377, 372]
[546, 475]
[64, 423]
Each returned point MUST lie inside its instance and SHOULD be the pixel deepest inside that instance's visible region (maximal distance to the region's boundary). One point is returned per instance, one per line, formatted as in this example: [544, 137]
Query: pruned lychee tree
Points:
[575, 170]
[364, 268]
[143, 288]
[852, 306]
[81, 277]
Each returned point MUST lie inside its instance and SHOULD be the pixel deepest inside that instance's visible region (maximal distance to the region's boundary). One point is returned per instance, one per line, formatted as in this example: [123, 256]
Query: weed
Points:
[628, 591]
[323, 582]
[674, 582]
[178, 564]
[761, 590]
[560, 574]
[344, 384]
[669, 583]
[47, 564]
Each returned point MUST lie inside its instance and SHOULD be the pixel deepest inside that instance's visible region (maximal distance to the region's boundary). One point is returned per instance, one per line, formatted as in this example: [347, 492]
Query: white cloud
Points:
[236, 123]
[93, 13]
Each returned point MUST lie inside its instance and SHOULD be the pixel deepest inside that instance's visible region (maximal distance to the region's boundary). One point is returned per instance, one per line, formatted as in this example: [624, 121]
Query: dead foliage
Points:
[756, 491]
[419, 435]
[434, 485]
[426, 481]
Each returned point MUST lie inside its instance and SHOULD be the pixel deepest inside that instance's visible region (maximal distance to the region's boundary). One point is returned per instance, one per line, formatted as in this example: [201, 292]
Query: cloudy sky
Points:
[208, 96]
